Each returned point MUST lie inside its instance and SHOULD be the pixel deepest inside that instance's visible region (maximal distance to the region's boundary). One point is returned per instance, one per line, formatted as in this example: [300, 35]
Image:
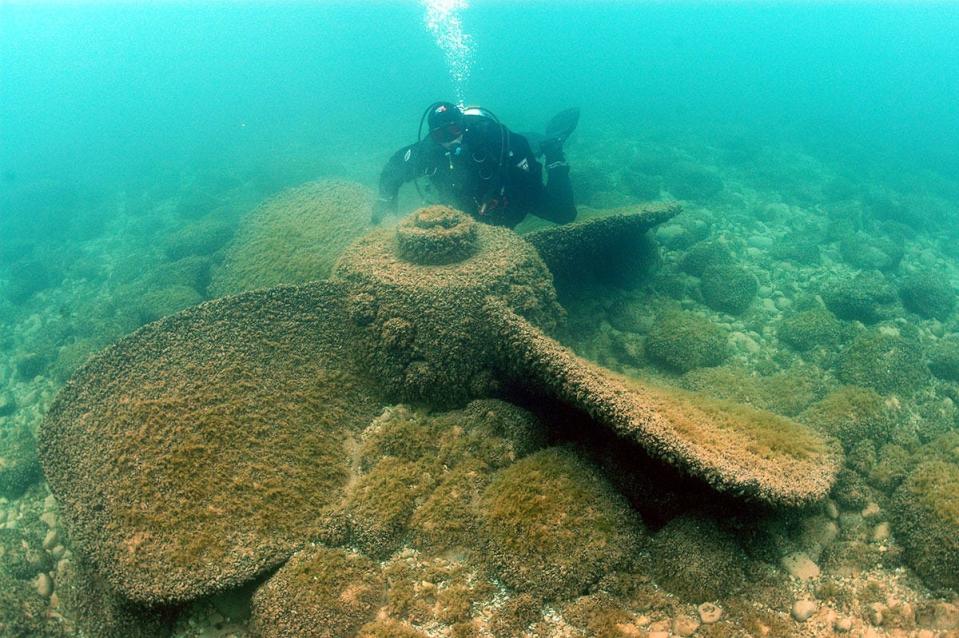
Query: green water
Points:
[817, 144]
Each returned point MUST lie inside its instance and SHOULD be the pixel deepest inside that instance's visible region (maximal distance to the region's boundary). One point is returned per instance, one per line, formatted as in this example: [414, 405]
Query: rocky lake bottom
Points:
[819, 289]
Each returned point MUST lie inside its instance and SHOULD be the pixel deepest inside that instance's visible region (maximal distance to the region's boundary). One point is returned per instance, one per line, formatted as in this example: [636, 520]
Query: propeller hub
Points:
[436, 235]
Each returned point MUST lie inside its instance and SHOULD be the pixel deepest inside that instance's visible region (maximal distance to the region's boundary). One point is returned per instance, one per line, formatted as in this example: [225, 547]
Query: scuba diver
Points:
[476, 164]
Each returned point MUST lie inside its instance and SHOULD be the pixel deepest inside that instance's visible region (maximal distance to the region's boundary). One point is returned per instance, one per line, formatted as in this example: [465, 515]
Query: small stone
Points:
[629, 630]
[44, 585]
[819, 531]
[50, 518]
[658, 634]
[804, 609]
[881, 532]
[685, 626]
[58, 551]
[49, 503]
[709, 613]
[904, 615]
[842, 624]
[875, 613]
[831, 510]
[800, 566]
[925, 633]
[50, 540]
[870, 511]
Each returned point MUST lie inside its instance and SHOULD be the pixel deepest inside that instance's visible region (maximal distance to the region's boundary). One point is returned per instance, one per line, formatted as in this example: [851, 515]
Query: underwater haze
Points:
[93, 93]
[183, 192]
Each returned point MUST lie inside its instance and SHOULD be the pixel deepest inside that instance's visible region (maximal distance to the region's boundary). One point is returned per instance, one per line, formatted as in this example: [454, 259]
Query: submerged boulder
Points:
[926, 519]
[728, 288]
[813, 328]
[696, 560]
[884, 363]
[293, 237]
[944, 359]
[867, 297]
[681, 340]
[852, 414]
[928, 295]
[552, 525]
[319, 593]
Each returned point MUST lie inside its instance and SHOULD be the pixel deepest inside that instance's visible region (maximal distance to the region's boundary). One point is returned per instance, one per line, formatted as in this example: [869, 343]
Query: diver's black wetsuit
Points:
[494, 182]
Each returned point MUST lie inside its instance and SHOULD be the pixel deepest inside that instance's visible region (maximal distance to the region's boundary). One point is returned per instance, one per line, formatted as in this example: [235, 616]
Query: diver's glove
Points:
[381, 208]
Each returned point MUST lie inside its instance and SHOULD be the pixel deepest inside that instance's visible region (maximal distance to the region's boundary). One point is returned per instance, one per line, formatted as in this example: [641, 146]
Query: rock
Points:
[800, 566]
[831, 510]
[539, 540]
[697, 560]
[871, 510]
[928, 294]
[31, 365]
[867, 297]
[19, 467]
[683, 340]
[868, 251]
[851, 414]
[876, 613]
[842, 624]
[8, 404]
[808, 329]
[685, 626]
[703, 255]
[202, 237]
[944, 359]
[884, 363]
[925, 516]
[332, 589]
[819, 532]
[728, 288]
[293, 237]
[804, 609]
[50, 540]
[709, 613]
[24, 612]
[881, 532]
[44, 585]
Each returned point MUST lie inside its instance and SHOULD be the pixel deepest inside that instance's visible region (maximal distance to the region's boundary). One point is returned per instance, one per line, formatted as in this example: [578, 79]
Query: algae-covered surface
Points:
[734, 417]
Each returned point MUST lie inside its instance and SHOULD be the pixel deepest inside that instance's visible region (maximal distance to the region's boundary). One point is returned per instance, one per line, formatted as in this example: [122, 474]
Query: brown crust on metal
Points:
[735, 449]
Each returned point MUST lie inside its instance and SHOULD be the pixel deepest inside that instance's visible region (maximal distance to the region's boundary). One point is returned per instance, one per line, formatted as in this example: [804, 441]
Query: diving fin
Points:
[562, 125]
[559, 128]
